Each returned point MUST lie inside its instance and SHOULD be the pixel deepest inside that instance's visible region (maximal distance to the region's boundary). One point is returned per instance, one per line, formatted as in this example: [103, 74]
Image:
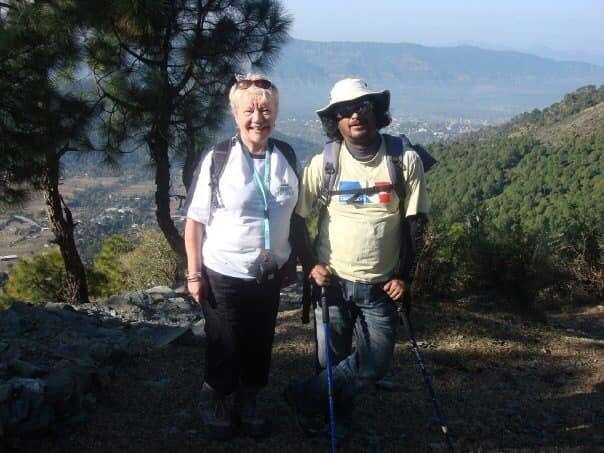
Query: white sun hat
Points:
[346, 90]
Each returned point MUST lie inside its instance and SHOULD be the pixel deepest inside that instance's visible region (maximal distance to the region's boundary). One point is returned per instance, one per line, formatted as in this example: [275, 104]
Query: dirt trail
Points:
[504, 382]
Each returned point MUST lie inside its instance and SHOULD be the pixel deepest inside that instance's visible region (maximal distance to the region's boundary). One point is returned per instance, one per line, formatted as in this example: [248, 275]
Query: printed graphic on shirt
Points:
[285, 191]
[382, 197]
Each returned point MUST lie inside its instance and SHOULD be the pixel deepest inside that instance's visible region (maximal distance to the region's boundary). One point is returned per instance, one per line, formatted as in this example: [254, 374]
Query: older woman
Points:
[237, 242]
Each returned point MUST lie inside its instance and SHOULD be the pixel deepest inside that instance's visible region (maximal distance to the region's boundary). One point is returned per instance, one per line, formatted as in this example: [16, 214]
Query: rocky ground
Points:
[506, 381]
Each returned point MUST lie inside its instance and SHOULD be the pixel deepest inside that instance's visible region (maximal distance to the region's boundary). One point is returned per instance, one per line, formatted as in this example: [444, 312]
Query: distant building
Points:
[8, 257]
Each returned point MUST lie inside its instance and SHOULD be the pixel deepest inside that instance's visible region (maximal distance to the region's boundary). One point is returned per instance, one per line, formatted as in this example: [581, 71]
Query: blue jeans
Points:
[363, 313]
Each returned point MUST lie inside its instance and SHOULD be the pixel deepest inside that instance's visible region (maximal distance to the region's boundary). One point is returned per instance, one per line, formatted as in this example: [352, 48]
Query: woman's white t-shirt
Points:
[234, 232]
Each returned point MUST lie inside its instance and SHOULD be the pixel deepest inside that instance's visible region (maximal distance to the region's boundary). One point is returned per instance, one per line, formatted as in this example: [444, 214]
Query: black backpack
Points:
[219, 160]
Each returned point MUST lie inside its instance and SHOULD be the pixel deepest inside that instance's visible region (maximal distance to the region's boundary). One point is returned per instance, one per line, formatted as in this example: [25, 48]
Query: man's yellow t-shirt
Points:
[360, 241]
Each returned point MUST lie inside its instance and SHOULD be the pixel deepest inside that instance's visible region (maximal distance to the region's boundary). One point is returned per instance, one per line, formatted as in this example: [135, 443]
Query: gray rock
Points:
[160, 383]
[5, 392]
[60, 384]
[25, 369]
[163, 291]
[30, 394]
[181, 290]
[180, 303]
[163, 336]
[10, 323]
[117, 301]
[58, 306]
[199, 328]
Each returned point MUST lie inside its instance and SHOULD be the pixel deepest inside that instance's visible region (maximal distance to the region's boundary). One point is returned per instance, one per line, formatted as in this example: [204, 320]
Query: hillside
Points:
[544, 169]
[505, 383]
[429, 81]
[578, 114]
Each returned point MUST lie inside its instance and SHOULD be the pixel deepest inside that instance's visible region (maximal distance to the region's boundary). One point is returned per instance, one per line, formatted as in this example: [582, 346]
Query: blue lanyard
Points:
[263, 186]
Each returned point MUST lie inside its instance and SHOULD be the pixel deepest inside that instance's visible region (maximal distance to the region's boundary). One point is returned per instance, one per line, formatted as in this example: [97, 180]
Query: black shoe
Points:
[215, 414]
[250, 421]
[308, 421]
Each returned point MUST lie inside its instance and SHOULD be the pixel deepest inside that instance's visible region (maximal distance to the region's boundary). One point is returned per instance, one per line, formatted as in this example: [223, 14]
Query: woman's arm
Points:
[194, 232]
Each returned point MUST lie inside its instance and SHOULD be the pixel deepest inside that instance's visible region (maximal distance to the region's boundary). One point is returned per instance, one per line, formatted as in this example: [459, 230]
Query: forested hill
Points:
[542, 171]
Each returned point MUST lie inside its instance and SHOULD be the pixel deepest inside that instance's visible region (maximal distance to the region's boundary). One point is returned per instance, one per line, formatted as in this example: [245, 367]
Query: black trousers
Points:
[240, 327]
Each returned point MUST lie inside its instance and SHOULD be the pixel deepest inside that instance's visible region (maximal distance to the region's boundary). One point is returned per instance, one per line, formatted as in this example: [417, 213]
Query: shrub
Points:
[441, 267]
[151, 263]
[514, 262]
[478, 255]
[125, 264]
[37, 279]
[108, 275]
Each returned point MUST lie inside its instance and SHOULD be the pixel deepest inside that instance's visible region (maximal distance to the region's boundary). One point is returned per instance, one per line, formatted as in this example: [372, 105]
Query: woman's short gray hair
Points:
[269, 94]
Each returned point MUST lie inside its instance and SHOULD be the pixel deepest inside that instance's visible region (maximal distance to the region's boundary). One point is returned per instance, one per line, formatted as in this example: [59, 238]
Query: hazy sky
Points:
[569, 26]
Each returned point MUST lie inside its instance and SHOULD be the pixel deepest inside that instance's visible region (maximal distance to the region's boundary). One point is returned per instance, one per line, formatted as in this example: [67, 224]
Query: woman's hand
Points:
[197, 289]
[321, 274]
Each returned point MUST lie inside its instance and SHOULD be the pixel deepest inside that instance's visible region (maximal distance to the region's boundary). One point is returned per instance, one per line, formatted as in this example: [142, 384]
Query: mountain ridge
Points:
[429, 82]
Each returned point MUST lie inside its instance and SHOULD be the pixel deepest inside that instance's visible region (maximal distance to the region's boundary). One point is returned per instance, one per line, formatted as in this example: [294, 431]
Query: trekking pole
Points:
[404, 316]
[327, 333]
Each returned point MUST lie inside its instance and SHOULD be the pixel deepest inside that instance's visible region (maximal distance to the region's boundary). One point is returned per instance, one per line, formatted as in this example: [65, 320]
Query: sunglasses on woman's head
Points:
[260, 83]
[350, 108]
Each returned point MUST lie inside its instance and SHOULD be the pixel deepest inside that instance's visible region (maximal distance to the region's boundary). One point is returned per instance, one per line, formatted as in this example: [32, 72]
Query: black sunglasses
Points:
[361, 108]
[260, 83]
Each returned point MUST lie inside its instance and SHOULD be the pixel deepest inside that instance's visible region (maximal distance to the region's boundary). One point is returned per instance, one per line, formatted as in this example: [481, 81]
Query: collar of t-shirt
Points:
[251, 154]
[365, 153]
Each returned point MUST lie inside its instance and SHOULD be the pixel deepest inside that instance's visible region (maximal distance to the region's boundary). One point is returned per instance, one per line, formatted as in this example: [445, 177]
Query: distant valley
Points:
[433, 83]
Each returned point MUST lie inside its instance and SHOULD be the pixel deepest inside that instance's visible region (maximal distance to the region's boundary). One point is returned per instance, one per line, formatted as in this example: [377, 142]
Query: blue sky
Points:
[563, 28]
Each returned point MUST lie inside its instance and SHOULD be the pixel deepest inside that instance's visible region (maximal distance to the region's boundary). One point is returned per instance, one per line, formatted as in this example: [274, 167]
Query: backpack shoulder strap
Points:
[395, 148]
[220, 155]
[331, 152]
[288, 152]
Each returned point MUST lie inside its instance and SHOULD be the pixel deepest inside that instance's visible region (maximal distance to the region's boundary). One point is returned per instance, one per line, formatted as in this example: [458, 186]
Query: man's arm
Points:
[414, 232]
[413, 226]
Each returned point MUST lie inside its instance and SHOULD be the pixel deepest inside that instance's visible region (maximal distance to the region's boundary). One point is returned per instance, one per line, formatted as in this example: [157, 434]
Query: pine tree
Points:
[40, 118]
[166, 67]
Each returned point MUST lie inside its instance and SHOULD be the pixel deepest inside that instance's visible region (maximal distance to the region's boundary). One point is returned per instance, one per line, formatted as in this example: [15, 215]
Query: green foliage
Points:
[442, 266]
[109, 274]
[38, 50]
[519, 215]
[151, 263]
[476, 255]
[38, 279]
[125, 264]
[519, 179]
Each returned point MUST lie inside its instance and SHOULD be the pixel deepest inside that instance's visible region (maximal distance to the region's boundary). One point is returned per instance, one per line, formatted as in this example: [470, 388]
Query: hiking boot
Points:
[307, 419]
[246, 412]
[215, 414]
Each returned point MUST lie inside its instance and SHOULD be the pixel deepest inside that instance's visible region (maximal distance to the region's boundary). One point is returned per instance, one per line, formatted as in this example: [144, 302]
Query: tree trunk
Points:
[191, 155]
[61, 221]
[158, 146]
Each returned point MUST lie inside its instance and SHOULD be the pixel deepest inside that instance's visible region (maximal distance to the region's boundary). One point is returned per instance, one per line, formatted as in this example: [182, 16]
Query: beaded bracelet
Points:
[193, 276]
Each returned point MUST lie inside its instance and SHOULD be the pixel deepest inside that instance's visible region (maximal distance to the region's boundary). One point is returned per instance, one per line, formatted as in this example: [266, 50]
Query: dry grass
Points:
[504, 382]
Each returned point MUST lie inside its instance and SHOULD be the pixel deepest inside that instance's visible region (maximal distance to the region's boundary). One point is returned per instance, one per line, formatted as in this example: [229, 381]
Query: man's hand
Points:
[395, 289]
[197, 289]
[321, 274]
